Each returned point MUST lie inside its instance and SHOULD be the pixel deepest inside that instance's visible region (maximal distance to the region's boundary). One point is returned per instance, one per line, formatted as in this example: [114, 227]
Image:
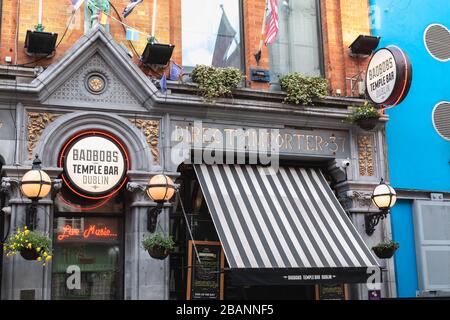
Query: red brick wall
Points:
[342, 21]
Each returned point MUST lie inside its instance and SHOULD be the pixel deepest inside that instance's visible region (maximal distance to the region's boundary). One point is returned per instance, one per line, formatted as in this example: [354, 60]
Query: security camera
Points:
[345, 163]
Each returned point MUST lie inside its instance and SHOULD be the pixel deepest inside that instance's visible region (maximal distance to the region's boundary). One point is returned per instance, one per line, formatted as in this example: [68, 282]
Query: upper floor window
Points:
[211, 33]
[298, 46]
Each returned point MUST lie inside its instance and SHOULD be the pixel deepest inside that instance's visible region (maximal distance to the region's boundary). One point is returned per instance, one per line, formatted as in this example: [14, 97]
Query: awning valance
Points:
[286, 220]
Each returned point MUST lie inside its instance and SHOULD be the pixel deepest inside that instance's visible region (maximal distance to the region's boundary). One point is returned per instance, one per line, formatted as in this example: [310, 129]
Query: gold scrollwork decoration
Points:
[150, 129]
[365, 155]
[37, 121]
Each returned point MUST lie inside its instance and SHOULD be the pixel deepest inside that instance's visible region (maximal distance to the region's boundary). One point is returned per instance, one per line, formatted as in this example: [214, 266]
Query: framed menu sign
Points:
[205, 278]
[331, 292]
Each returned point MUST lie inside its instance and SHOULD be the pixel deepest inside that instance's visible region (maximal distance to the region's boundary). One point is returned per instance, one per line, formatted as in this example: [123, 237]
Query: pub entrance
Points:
[284, 233]
[88, 248]
[204, 232]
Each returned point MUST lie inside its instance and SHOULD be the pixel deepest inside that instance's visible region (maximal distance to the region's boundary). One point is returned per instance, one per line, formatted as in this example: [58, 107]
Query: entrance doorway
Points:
[88, 249]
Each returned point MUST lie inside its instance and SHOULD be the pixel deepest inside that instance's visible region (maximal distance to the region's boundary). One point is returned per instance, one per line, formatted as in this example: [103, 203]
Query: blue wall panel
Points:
[405, 257]
[418, 156]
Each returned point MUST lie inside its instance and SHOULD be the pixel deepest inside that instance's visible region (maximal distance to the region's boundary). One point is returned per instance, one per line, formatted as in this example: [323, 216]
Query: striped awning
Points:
[288, 220]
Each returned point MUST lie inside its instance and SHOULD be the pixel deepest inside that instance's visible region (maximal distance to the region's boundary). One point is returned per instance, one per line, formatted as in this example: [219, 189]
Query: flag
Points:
[130, 7]
[76, 4]
[175, 71]
[224, 40]
[103, 18]
[163, 83]
[272, 26]
[132, 34]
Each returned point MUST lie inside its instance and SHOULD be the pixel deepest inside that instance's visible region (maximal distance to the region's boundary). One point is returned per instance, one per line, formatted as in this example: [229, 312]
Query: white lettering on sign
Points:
[95, 164]
[381, 76]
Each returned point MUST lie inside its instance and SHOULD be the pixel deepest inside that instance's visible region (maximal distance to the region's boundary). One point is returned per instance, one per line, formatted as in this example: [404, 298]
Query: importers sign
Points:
[95, 164]
[388, 76]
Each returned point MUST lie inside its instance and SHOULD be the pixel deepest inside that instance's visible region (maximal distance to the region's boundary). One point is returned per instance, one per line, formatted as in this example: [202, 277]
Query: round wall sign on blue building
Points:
[388, 76]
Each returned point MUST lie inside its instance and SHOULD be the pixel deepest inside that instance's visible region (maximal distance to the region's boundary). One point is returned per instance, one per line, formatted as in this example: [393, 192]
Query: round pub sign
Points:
[95, 164]
[388, 76]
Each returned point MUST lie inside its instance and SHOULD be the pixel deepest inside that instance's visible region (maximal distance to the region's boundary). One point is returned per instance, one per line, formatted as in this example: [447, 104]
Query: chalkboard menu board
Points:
[205, 277]
[331, 292]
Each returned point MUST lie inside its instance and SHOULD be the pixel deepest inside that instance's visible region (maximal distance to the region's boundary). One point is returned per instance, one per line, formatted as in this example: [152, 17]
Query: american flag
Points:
[272, 25]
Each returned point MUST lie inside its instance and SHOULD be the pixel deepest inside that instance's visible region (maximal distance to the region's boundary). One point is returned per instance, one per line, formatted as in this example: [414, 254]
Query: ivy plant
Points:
[214, 82]
[303, 89]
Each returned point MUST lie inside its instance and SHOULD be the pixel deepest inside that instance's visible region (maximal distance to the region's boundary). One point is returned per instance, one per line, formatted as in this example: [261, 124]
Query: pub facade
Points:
[271, 198]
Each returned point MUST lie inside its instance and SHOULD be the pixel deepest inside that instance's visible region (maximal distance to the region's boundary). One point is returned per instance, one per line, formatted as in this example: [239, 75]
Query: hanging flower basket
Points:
[158, 252]
[31, 245]
[386, 250]
[367, 124]
[158, 245]
[365, 116]
[29, 254]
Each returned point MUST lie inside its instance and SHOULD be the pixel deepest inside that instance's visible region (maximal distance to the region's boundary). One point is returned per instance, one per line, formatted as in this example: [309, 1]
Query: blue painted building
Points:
[418, 137]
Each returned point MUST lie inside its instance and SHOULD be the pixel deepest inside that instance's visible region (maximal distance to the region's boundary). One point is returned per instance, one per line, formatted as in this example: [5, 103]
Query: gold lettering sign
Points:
[291, 141]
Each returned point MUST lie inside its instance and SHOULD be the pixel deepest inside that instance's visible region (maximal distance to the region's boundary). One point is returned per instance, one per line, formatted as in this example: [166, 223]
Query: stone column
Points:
[145, 278]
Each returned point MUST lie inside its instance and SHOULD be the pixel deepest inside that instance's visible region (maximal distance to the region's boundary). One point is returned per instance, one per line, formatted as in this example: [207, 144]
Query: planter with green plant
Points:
[302, 89]
[214, 82]
[158, 245]
[365, 116]
[386, 250]
[30, 244]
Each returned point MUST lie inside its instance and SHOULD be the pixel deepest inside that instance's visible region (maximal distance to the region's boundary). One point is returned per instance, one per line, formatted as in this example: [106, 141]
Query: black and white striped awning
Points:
[287, 220]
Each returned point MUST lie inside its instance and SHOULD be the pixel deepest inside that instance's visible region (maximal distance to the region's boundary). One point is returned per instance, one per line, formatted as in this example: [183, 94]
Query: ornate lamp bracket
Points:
[372, 220]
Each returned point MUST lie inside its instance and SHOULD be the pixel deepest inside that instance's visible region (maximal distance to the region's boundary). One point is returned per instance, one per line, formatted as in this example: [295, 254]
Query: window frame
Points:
[321, 49]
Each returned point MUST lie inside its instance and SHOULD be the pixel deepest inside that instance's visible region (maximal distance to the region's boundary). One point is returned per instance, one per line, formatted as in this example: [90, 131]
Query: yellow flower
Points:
[45, 254]
[26, 232]
[25, 228]
[39, 259]
[29, 246]
[48, 258]
[43, 264]
[38, 249]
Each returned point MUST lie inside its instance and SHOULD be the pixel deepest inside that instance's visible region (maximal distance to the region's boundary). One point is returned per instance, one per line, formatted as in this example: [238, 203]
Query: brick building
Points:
[50, 110]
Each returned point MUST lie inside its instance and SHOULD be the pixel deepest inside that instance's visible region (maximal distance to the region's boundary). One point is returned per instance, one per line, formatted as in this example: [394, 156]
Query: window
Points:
[211, 33]
[298, 45]
[432, 233]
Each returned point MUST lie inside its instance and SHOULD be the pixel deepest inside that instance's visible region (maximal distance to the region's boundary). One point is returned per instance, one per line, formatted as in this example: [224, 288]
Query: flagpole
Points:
[263, 28]
[154, 20]
[39, 26]
[261, 40]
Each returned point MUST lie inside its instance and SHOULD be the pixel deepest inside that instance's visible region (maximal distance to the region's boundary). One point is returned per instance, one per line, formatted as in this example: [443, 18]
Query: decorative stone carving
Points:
[365, 155]
[37, 121]
[356, 200]
[150, 128]
[75, 90]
